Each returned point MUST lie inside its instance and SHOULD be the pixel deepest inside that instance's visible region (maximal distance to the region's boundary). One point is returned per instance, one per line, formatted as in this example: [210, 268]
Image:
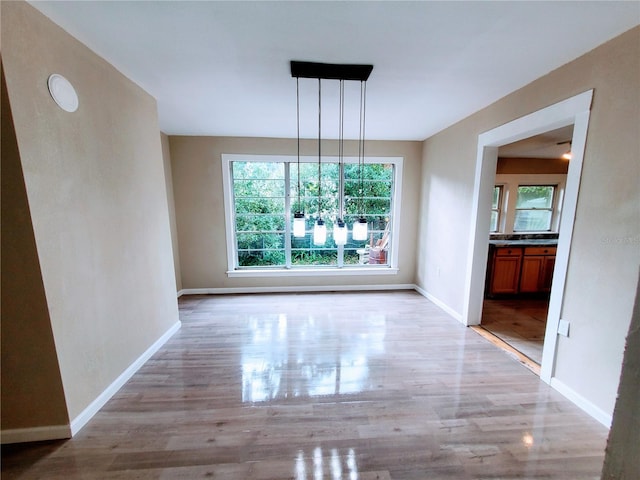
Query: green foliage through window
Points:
[263, 207]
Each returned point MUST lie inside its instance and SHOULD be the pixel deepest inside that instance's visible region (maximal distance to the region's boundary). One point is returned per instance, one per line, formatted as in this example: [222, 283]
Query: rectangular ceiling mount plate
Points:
[330, 71]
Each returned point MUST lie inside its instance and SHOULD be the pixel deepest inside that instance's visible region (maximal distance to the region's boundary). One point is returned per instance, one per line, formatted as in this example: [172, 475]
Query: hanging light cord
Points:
[341, 155]
[363, 87]
[319, 145]
[298, 129]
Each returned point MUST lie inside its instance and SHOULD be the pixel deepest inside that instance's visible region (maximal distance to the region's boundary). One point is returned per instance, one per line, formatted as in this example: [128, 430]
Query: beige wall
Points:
[166, 161]
[197, 178]
[96, 189]
[604, 255]
[31, 385]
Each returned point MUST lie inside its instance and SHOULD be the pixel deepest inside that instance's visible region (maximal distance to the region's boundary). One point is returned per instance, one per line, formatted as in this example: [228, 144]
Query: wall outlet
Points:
[563, 328]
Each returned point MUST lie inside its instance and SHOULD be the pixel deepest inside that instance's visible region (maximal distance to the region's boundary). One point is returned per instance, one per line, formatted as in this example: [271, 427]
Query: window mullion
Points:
[287, 215]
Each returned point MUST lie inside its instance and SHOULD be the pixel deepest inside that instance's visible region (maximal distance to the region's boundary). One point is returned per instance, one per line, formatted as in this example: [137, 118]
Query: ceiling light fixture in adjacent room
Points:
[566, 155]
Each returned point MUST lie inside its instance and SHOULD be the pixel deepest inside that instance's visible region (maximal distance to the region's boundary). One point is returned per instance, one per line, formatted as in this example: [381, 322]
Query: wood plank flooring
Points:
[380, 385]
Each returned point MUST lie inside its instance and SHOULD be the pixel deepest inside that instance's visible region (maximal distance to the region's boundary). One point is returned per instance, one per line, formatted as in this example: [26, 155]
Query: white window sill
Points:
[313, 272]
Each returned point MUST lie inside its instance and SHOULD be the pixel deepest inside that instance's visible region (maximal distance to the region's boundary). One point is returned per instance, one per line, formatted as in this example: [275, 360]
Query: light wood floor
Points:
[519, 322]
[325, 386]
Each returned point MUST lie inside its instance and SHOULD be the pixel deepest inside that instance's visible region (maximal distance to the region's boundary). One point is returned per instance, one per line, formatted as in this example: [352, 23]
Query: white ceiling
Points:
[551, 144]
[222, 68]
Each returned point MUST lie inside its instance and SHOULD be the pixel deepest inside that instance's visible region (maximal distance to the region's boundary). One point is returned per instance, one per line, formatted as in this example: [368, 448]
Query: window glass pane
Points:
[260, 241]
[251, 170]
[535, 196]
[532, 221]
[255, 205]
[258, 188]
[252, 222]
[314, 256]
[494, 221]
[309, 201]
[259, 207]
[261, 258]
[496, 197]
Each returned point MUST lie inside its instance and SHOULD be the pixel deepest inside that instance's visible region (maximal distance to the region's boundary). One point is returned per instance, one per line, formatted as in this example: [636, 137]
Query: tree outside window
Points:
[263, 207]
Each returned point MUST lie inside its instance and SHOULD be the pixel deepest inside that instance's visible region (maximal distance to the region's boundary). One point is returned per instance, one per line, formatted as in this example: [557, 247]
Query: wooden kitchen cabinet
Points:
[515, 270]
[537, 269]
[505, 274]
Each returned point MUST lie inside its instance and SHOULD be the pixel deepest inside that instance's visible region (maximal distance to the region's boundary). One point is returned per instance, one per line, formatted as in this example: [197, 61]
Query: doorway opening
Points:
[526, 210]
[573, 111]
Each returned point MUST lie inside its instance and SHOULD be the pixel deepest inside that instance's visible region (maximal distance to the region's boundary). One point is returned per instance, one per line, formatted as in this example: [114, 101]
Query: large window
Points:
[261, 196]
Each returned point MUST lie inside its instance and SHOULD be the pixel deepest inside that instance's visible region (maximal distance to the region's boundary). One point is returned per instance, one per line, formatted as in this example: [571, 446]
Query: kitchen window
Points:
[534, 208]
[527, 203]
[496, 208]
[261, 195]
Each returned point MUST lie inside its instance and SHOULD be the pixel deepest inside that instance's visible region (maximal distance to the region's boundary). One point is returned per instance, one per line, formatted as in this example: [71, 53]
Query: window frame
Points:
[231, 244]
[510, 183]
[498, 209]
[551, 209]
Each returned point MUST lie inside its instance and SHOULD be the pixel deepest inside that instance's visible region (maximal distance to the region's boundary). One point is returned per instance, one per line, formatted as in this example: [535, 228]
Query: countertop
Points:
[531, 242]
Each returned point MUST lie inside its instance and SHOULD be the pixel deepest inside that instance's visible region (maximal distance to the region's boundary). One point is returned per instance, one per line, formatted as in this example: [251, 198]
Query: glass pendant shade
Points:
[299, 225]
[319, 233]
[360, 229]
[339, 233]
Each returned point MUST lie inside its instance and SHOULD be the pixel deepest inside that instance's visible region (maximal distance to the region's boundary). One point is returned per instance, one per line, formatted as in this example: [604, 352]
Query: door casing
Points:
[574, 110]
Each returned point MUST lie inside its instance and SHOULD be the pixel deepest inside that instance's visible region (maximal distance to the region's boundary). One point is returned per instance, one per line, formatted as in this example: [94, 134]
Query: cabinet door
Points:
[530, 280]
[547, 273]
[506, 273]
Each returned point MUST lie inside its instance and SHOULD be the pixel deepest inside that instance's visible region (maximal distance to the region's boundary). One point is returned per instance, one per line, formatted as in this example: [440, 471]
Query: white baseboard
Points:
[596, 412]
[295, 289]
[439, 303]
[180, 293]
[88, 413]
[35, 434]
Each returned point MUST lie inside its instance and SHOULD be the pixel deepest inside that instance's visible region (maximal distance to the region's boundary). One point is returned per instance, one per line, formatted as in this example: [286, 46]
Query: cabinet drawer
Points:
[540, 251]
[508, 252]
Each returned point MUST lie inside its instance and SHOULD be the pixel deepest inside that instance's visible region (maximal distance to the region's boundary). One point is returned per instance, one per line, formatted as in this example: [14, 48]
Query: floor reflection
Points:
[305, 357]
[334, 466]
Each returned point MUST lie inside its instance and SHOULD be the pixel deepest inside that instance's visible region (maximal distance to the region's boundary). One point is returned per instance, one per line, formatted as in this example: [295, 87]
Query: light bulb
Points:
[339, 232]
[299, 226]
[360, 229]
[319, 232]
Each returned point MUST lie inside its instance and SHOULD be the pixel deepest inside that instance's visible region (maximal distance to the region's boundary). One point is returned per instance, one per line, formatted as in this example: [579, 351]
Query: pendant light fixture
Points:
[360, 225]
[342, 72]
[319, 229]
[299, 223]
[340, 230]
